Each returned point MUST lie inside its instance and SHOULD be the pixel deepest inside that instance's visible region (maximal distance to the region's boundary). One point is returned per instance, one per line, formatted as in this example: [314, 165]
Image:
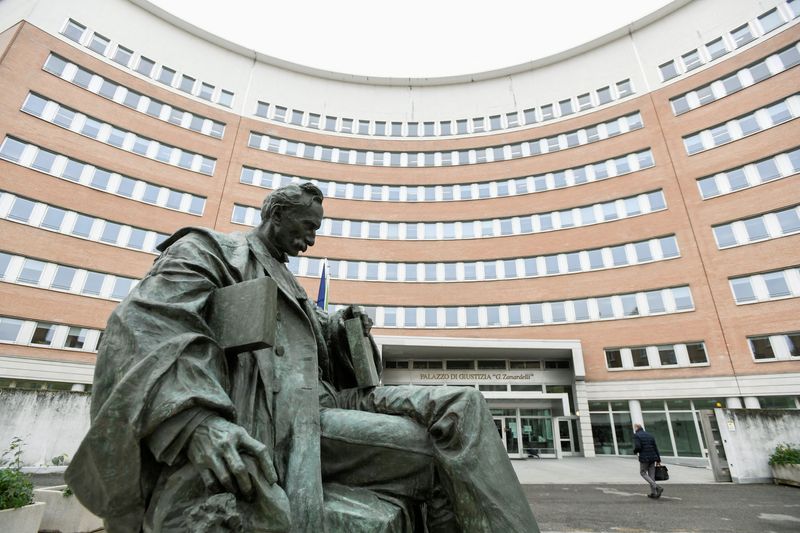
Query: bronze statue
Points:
[188, 435]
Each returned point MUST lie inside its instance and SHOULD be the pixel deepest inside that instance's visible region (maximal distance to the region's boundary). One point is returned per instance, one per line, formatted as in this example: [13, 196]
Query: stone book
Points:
[361, 354]
[243, 316]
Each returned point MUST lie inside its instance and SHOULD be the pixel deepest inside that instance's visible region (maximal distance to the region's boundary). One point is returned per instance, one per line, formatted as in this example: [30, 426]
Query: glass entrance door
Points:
[566, 437]
[501, 430]
[508, 431]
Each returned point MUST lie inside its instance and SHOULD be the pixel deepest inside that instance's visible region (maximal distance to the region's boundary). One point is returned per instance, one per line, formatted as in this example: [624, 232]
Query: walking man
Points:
[645, 445]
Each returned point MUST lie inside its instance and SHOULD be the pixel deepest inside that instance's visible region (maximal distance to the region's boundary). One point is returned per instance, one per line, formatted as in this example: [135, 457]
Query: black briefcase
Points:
[662, 474]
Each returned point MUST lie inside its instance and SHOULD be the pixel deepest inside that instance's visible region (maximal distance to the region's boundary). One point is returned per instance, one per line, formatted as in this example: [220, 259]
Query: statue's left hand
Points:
[355, 311]
[216, 446]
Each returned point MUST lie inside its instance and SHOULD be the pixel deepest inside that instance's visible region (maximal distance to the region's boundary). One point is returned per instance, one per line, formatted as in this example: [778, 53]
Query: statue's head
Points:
[291, 216]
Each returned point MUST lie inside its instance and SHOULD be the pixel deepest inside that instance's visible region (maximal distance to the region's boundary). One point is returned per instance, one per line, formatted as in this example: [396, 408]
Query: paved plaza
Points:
[606, 494]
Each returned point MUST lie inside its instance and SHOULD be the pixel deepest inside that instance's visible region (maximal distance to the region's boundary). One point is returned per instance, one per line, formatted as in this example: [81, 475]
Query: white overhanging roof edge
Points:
[397, 81]
[468, 342]
[574, 346]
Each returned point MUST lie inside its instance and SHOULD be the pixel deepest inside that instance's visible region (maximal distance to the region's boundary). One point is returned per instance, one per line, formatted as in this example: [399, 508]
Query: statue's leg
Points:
[475, 468]
[390, 455]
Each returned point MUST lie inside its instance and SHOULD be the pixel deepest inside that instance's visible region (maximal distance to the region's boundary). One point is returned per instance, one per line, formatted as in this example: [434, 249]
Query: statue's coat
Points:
[159, 373]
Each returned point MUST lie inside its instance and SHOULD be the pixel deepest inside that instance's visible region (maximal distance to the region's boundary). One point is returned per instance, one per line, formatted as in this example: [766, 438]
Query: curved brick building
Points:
[604, 236]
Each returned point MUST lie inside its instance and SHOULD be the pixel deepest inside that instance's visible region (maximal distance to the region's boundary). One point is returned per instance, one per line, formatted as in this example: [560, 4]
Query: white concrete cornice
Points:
[719, 386]
[27, 368]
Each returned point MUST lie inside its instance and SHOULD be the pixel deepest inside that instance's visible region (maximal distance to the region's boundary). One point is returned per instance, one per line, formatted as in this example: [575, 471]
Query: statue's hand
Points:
[215, 449]
[355, 311]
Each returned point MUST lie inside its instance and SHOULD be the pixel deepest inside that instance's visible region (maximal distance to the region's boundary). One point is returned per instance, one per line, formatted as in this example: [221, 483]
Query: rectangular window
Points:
[716, 48]
[206, 91]
[595, 259]
[605, 308]
[44, 160]
[761, 348]
[682, 297]
[624, 88]
[63, 278]
[629, 305]
[558, 311]
[691, 60]
[756, 229]
[187, 83]
[581, 308]
[34, 104]
[725, 236]
[776, 284]
[76, 338]
[31, 271]
[708, 187]
[110, 232]
[93, 283]
[9, 329]
[536, 313]
[789, 221]
[720, 135]
[166, 76]
[12, 149]
[639, 357]
[53, 218]
[655, 302]
[460, 365]
[770, 20]
[604, 95]
[122, 56]
[145, 66]
[74, 31]
[793, 340]
[742, 290]
[21, 210]
[742, 35]
[43, 334]
[225, 98]
[697, 353]
[613, 359]
[493, 364]
[347, 125]
[98, 43]
[122, 286]
[667, 355]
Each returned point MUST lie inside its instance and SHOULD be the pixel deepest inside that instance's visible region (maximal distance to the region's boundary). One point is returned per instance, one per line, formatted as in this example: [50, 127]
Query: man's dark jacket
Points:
[645, 445]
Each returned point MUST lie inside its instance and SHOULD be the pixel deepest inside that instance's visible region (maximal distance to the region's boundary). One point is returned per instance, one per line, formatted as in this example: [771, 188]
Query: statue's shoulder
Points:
[228, 244]
[203, 235]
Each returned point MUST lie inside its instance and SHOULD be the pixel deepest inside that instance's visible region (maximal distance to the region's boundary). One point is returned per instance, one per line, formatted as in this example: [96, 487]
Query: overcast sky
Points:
[410, 38]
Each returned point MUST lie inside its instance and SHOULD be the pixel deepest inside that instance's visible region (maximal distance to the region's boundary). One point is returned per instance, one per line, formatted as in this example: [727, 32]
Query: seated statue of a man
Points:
[182, 433]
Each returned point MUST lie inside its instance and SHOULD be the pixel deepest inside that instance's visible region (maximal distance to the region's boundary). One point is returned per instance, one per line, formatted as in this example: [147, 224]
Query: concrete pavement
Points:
[607, 495]
[604, 469]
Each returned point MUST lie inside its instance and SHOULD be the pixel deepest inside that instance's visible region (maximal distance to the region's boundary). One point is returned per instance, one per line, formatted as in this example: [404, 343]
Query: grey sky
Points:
[410, 38]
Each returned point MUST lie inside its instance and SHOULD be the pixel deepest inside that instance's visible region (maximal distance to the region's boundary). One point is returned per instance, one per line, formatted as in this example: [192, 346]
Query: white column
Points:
[751, 402]
[733, 402]
[78, 387]
[636, 412]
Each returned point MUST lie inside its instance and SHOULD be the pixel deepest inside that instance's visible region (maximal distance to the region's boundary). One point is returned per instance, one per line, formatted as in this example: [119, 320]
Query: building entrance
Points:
[526, 432]
[567, 436]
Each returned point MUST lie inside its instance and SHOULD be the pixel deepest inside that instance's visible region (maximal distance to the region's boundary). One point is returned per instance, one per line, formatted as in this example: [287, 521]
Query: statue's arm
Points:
[333, 325]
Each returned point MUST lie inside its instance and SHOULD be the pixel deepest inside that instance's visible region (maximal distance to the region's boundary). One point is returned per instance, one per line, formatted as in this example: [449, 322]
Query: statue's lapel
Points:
[278, 272]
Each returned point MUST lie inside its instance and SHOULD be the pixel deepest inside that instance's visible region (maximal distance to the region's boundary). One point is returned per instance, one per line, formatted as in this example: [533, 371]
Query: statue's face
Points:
[297, 228]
